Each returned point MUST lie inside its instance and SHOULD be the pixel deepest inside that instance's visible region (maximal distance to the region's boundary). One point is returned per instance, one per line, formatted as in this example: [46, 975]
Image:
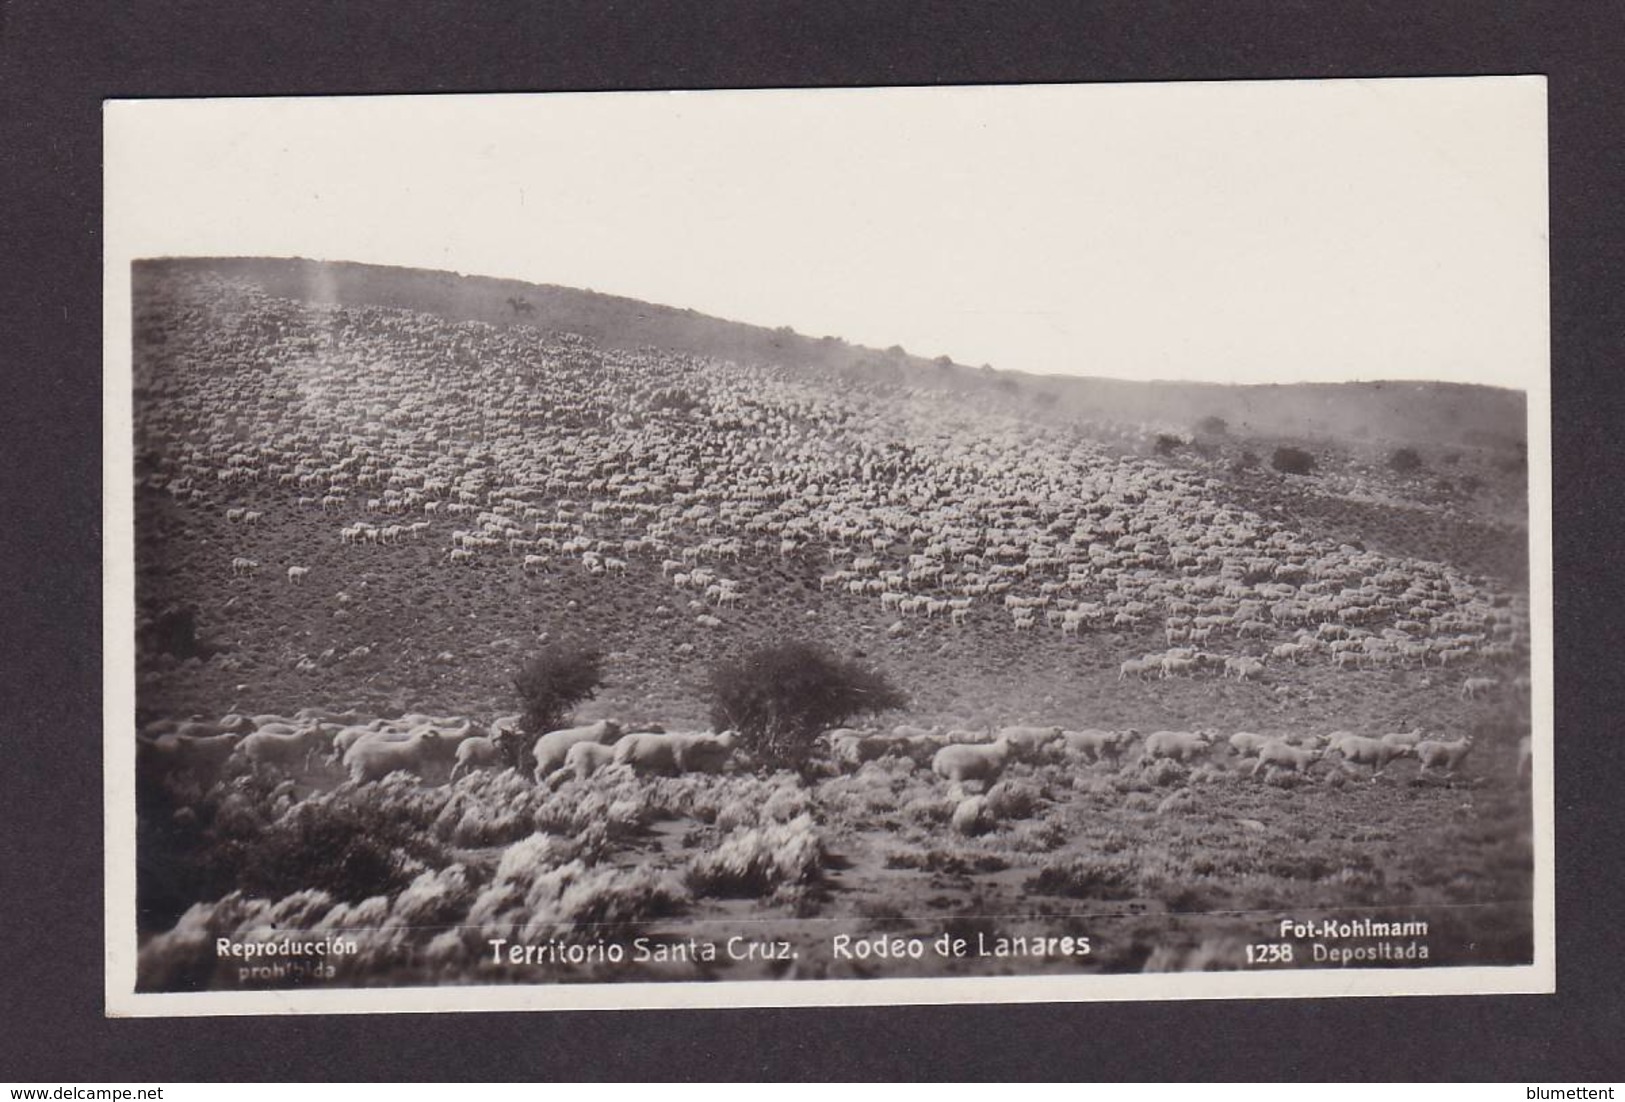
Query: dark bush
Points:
[1405, 461]
[1246, 461]
[1168, 445]
[1213, 426]
[553, 682]
[780, 698]
[350, 848]
[1292, 461]
[1085, 877]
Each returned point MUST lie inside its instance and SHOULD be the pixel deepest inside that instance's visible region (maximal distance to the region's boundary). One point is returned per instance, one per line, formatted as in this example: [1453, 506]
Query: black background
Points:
[57, 62]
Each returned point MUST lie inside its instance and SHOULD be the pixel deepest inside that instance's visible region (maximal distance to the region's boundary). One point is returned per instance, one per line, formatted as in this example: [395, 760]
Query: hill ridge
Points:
[1392, 411]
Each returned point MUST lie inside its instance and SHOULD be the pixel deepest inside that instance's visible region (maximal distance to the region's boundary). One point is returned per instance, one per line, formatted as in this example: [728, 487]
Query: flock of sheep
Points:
[963, 755]
[536, 452]
[298, 454]
[367, 750]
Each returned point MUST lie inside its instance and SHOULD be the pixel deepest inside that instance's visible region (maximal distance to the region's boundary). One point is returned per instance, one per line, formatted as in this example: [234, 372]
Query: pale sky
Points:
[1240, 232]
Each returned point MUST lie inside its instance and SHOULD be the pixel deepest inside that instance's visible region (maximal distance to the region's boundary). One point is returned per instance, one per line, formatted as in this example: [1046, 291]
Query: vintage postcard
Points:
[747, 548]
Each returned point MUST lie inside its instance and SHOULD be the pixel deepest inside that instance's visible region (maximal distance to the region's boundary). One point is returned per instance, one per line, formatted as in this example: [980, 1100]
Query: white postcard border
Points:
[122, 1000]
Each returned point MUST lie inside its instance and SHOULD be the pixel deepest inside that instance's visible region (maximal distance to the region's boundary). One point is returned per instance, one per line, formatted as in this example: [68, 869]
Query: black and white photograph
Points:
[828, 546]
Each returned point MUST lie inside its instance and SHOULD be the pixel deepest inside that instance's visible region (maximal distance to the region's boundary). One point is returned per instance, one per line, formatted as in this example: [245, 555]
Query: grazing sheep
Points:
[1278, 754]
[962, 762]
[1360, 750]
[1246, 744]
[347, 737]
[373, 759]
[1095, 745]
[550, 749]
[1134, 667]
[1176, 664]
[971, 816]
[649, 752]
[1243, 668]
[1474, 686]
[1180, 745]
[1029, 740]
[296, 574]
[1434, 753]
[1292, 652]
[1403, 740]
[269, 746]
[586, 758]
[477, 752]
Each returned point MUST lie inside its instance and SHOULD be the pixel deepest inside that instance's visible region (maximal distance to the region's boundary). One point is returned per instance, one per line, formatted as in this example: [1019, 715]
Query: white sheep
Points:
[1179, 745]
[1096, 745]
[1279, 754]
[1403, 741]
[1029, 740]
[351, 734]
[551, 748]
[1434, 753]
[373, 759]
[284, 749]
[1358, 749]
[586, 758]
[960, 762]
[971, 816]
[652, 752]
[1243, 668]
[1247, 744]
[476, 752]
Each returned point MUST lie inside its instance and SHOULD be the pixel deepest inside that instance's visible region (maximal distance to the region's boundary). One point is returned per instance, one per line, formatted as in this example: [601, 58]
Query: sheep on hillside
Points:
[960, 762]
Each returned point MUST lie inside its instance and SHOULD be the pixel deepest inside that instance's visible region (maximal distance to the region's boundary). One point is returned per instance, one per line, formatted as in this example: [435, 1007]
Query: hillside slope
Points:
[1411, 413]
[811, 494]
